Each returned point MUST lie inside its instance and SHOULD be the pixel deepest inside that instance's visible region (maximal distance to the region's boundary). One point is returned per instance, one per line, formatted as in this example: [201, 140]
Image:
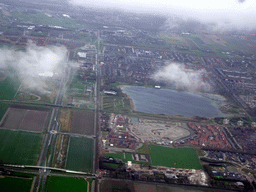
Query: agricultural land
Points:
[67, 184]
[80, 154]
[20, 147]
[69, 125]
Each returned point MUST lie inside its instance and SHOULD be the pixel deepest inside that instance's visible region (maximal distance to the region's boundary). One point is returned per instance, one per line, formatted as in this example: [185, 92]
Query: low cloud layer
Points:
[225, 14]
[176, 75]
[34, 64]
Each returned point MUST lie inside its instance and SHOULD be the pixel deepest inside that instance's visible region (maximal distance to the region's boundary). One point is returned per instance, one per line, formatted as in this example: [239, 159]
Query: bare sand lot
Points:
[150, 130]
[82, 123]
[26, 119]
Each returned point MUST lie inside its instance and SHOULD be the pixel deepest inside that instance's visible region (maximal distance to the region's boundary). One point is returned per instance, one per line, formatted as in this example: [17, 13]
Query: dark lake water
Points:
[171, 102]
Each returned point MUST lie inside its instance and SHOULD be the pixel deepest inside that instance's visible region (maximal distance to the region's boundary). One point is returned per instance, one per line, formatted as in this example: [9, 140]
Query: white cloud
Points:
[35, 62]
[176, 75]
[234, 13]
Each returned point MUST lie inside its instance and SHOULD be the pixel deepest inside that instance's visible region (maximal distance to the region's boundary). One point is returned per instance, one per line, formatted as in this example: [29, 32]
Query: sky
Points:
[237, 14]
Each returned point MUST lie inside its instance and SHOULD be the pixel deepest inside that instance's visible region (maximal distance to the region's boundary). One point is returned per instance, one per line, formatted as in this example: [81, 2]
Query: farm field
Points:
[43, 19]
[26, 119]
[107, 185]
[141, 187]
[8, 89]
[80, 154]
[3, 109]
[15, 184]
[174, 39]
[238, 44]
[19, 147]
[82, 123]
[114, 185]
[66, 184]
[185, 158]
[212, 39]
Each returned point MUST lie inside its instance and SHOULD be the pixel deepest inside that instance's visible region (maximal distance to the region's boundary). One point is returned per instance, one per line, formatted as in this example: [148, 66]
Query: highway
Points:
[97, 140]
[50, 136]
[44, 160]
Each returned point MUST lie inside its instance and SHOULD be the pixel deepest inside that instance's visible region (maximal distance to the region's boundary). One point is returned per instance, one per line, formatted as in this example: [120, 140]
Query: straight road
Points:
[96, 118]
[52, 129]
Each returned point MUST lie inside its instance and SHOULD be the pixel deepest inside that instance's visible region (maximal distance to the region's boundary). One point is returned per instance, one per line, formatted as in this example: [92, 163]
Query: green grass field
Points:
[78, 91]
[15, 184]
[5, 45]
[66, 184]
[237, 44]
[116, 104]
[118, 156]
[78, 85]
[23, 175]
[185, 158]
[43, 19]
[19, 147]
[124, 158]
[80, 154]
[3, 109]
[8, 89]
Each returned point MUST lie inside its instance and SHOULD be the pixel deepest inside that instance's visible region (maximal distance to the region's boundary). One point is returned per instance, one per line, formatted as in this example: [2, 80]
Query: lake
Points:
[171, 102]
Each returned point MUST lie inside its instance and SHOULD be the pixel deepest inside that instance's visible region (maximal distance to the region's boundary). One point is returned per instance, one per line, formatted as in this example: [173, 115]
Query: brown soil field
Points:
[26, 119]
[118, 186]
[109, 185]
[82, 123]
[142, 187]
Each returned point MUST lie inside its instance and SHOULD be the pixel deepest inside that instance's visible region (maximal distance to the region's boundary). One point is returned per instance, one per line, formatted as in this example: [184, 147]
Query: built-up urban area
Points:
[69, 124]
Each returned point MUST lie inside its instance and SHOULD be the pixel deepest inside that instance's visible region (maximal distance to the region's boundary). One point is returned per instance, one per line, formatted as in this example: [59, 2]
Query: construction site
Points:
[158, 131]
[127, 132]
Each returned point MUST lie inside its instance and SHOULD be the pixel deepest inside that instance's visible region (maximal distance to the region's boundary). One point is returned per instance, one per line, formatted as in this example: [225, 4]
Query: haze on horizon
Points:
[227, 14]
